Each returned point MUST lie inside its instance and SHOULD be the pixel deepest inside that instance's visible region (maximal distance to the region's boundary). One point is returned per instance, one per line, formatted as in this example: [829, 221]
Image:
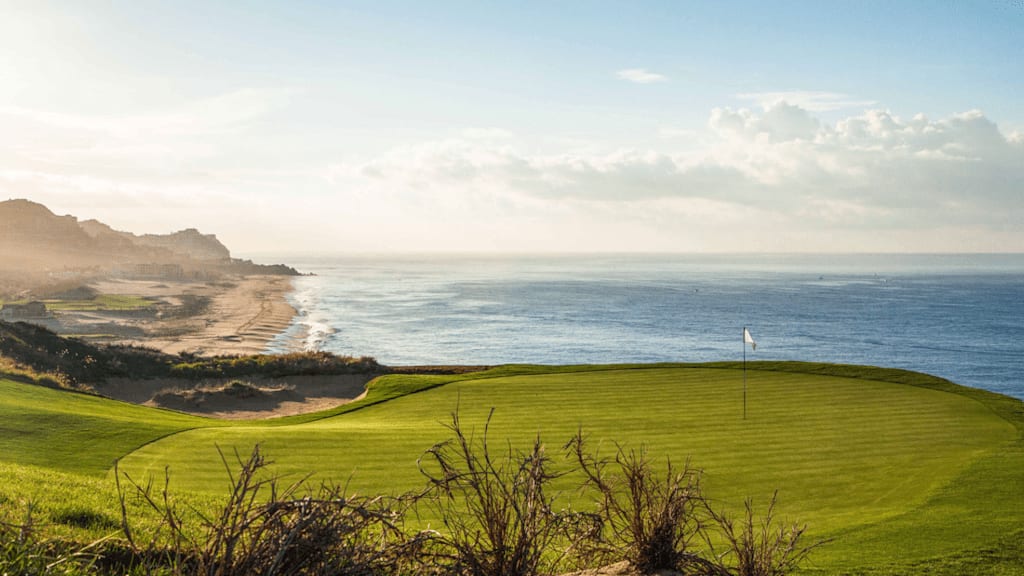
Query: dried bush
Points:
[498, 517]
[261, 530]
[758, 547]
[649, 520]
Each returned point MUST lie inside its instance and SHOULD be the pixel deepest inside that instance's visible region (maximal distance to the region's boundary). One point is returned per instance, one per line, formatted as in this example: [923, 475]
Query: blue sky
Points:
[526, 126]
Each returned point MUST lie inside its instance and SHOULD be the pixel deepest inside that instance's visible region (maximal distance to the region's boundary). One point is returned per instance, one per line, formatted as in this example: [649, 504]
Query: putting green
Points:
[907, 473]
[848, 455]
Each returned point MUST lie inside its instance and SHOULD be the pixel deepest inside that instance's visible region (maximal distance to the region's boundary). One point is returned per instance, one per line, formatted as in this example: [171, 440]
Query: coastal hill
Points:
[36, 242]
[188, 243]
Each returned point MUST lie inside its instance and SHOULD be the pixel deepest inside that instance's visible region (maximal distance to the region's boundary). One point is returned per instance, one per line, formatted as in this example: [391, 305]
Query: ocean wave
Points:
[317, 336]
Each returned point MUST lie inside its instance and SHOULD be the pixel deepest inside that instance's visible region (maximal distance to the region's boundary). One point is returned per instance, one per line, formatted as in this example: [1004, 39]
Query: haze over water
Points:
[956, 316]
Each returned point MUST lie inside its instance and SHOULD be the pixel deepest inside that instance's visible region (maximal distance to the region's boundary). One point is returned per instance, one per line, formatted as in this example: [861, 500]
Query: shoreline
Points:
[236, 316]
[243, 320]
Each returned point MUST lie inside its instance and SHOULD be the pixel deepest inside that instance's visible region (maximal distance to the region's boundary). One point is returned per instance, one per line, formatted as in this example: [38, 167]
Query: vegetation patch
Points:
[73, 362]
[274, 365]
[903, 472]
[100, 303]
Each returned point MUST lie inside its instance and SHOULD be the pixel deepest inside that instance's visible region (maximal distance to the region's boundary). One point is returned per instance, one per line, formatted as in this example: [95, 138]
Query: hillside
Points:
[36, 244]
[189, 243]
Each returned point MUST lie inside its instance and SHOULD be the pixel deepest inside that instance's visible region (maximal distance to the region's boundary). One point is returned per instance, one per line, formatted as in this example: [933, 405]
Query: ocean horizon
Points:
[957, 316]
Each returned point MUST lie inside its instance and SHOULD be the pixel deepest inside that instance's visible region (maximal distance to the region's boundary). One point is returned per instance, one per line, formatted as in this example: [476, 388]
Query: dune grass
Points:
[908, 473]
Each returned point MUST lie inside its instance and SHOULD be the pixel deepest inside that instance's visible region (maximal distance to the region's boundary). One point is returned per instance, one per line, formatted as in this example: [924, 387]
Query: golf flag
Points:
[747, 339]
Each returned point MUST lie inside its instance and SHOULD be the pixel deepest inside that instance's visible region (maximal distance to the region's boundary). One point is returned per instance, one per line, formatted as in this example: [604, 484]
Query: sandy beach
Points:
[236, 315]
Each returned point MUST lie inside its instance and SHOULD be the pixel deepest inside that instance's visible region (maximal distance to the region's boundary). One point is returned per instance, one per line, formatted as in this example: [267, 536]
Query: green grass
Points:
[909, 473]
[102, 302]
[75, 432]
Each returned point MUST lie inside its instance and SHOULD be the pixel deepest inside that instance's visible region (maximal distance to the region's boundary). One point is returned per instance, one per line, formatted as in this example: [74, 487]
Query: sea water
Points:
[956, 316]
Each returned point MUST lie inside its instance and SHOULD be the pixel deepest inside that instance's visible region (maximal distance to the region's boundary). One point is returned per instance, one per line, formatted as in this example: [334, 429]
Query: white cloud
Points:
[640, 76]
[780, 122]
[813, 101]
[783, 176]
[872, 177]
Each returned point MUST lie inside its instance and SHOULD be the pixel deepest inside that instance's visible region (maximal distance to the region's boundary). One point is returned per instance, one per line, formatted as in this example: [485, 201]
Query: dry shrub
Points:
[650, 520]
[261, 530]
[498, 517]
[758, 547]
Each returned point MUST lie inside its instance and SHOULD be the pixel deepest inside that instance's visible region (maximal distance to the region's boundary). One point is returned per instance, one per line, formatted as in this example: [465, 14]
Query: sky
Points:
[529, 126]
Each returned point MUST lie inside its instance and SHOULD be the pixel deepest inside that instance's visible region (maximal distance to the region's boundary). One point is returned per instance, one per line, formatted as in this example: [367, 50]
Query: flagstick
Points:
[744, 340]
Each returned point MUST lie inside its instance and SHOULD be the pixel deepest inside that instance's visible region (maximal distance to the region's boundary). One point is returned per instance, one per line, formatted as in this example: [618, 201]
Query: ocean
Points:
[956, 316]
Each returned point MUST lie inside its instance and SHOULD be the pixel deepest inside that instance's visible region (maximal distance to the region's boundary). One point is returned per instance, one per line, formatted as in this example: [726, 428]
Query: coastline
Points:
[241, 320]
[239, 315]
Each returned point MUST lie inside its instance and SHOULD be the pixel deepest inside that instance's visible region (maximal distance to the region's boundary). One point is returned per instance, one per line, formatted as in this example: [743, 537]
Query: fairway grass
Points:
[904, 471]
[76, 432]
[99, 303]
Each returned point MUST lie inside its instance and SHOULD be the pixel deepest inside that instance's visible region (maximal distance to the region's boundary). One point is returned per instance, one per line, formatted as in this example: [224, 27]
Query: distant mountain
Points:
[35, 240]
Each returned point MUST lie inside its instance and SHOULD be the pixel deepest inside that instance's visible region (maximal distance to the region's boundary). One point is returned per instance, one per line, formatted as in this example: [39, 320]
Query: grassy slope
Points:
[56, 448]
[894, 472]
[848, 454]
[76, 432]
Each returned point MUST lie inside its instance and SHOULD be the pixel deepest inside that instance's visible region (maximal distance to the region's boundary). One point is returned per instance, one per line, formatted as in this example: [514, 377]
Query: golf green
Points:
[903, 472]
[851, 457]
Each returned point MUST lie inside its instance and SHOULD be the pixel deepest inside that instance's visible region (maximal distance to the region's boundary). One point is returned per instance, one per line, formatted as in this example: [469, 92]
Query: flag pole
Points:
[743, 340]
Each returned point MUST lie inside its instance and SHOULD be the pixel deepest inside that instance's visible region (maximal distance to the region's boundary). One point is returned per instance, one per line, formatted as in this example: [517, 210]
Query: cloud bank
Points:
[887, 182]
[779, 178]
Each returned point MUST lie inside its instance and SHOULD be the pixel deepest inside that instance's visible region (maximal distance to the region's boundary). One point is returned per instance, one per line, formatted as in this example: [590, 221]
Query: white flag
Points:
[747, 339]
